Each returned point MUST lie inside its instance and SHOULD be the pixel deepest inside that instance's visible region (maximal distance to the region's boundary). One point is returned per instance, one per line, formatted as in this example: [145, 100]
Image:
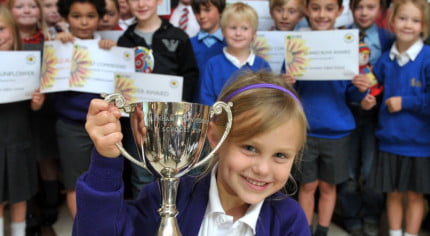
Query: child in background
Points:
[110, 20]
[241, 185]
[331, 123]
[126, 18]
[18, 171]
[239, 24]
[73, 141]
[286, 14]
[29, 18]
[163, 49]
[362, 205]
[403, 132]
[209, 42]
[53, 19]
[183, 17]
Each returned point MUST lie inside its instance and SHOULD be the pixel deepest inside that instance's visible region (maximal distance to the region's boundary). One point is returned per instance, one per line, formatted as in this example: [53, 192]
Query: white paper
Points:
[270, 46]
[19, 75]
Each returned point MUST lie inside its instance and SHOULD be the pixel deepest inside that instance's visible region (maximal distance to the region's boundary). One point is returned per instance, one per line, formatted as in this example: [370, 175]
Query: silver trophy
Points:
[170, 137]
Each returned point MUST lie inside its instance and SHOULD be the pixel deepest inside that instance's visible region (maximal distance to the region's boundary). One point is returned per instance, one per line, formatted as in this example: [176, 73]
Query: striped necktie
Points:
[183, 21]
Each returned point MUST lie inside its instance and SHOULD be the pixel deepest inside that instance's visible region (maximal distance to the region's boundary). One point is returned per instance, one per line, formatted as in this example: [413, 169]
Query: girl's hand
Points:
[289, 79]
[394, 104]
[106, 44]
[361, 82]
[368, 102]
[104, 128]
[65, 37]
[37, 100]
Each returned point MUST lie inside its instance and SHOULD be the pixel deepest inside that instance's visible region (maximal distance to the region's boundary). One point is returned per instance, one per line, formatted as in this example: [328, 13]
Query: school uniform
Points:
[102, 209]
[206, 46]
[220, 69]
[193, 26]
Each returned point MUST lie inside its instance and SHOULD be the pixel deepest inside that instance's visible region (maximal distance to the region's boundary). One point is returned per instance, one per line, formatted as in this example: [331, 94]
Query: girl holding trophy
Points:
[239, 194]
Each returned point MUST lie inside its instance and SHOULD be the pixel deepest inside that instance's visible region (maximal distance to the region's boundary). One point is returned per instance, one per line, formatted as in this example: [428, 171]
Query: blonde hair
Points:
[258, 110]
[280, 3]
[7, 18]
[41, 24]
[239, 11]
[422, 5]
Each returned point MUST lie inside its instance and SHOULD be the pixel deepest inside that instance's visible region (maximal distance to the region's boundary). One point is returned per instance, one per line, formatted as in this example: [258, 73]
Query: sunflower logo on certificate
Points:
[81, 63]
[261, 47]
[295, 55]
[125, 86]
[48, 68]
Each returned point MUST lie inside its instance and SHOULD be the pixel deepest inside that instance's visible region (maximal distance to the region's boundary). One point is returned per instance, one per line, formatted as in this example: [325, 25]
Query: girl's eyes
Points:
[249, 148]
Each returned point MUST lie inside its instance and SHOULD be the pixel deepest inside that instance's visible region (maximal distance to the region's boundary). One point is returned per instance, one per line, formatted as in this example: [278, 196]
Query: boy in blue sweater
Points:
[209, 42]
[239, 26]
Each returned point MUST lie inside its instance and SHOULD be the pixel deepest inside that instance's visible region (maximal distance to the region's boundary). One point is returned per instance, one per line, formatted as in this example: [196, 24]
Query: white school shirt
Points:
[250, 60]
[193, 26]
[408, 55]
[124, 24]
[217, 223]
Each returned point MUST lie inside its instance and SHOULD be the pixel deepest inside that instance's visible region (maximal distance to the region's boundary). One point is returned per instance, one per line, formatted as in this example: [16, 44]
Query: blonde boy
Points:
[286, 14]
[239, 24]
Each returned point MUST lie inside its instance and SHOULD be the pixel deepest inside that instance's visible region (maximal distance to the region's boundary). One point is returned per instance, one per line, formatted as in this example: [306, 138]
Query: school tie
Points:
[183, 21]
[362, 35]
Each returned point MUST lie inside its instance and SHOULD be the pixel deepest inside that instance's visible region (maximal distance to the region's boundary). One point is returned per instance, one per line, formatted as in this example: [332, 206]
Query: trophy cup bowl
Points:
[170, 137]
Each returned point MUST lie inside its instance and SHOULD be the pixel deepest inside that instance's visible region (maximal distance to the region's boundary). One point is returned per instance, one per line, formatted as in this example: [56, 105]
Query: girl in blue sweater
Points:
[238, 195]
[402, 166]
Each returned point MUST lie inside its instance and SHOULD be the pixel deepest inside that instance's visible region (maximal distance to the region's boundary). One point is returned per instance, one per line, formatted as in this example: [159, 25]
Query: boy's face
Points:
[144, 10]
[110, 20]
[50, 12]
[26, 12]
[83, 19]
[366, 12]
[238, 34]
[287, 16]
[208, 18]
[322, 14]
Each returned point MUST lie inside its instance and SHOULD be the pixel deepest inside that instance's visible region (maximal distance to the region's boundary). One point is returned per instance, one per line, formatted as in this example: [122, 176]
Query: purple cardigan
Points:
[102, 209]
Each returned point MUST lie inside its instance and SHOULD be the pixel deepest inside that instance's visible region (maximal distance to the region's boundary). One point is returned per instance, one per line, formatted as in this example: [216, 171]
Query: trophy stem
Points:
[169, 225]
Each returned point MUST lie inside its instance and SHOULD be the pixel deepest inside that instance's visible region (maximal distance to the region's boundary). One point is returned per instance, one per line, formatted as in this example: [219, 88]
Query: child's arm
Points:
[394, 104]
[106, 44]
[104, 128]
[361, 82]
[65, 37]
[368, 102]
[37, 100]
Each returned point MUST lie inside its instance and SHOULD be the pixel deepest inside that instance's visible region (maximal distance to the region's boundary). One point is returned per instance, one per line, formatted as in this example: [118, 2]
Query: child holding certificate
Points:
[209, 42]
[331, 123]
[402, 165]
[18, 171]
[239, 24]
[159, 48]
[361, 204]
[240, 187]
[73, 141]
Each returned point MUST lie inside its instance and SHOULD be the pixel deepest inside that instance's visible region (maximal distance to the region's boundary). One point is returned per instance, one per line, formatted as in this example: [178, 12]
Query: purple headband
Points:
[252, 86]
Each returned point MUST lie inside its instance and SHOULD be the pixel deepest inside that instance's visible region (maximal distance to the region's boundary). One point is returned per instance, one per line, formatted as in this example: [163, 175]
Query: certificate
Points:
[111, 34]
[147, 87]
[21, 77]
[262, 8]
[83, 66]
[322, 55]
[270, 46]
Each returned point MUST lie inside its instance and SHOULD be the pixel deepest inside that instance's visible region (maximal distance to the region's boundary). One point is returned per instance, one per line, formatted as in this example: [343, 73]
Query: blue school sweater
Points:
[325, 106]
[102, 209]
[407, 132]
[217, 71]
[72, 107]
[203, 53]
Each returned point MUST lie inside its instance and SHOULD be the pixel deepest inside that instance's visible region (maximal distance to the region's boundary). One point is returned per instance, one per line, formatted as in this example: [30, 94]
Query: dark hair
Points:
[339, 3]
[116, 3]
[64, 6]
[353, 4]
[219, 4]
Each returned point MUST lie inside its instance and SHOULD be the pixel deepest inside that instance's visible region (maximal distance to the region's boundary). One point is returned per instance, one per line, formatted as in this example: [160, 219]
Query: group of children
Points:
[332, 136]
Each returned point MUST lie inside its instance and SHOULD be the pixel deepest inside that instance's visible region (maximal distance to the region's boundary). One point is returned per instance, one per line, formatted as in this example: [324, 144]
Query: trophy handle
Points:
[216, 110]
[120, 102]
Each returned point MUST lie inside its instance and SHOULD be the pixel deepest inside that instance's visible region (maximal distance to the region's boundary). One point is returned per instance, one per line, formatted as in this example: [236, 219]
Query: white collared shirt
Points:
[217, 223]
[124, 24]
[250, 60]
[193, 26]
[408, 55]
